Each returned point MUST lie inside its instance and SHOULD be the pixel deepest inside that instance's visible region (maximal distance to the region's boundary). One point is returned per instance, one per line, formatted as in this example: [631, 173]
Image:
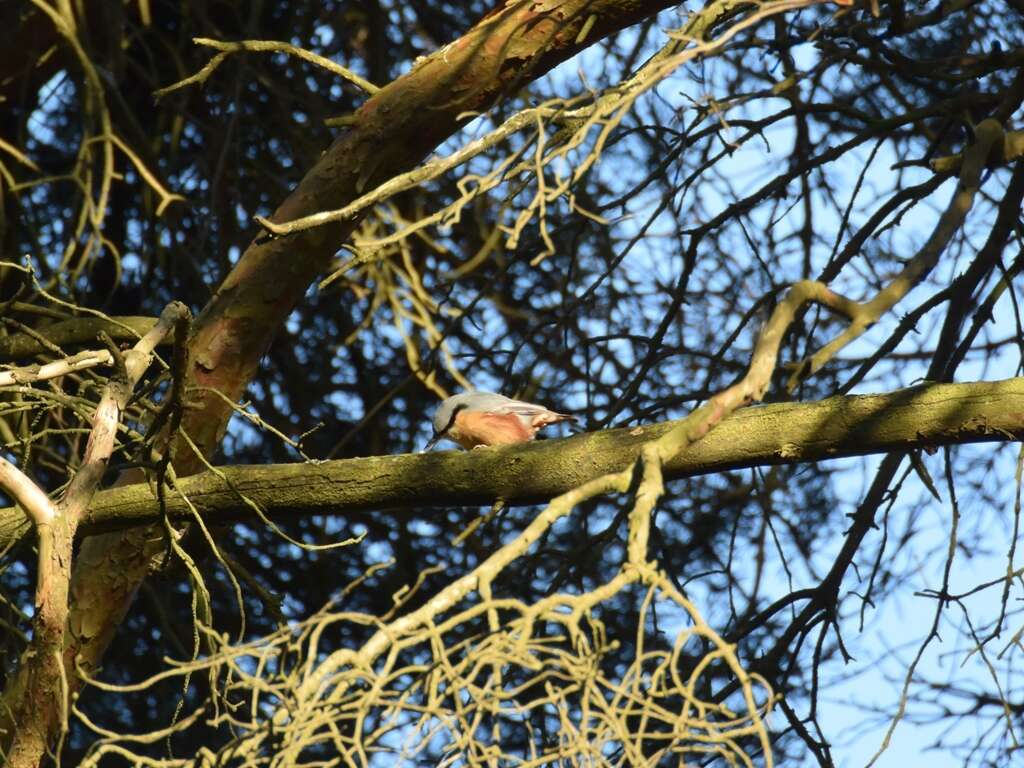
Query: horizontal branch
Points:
[1006, 151]
[77, 330]
[925, 416]
[54, 370]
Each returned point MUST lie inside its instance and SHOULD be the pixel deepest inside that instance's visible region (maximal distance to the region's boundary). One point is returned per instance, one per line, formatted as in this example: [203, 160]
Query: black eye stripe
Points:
[451, 421]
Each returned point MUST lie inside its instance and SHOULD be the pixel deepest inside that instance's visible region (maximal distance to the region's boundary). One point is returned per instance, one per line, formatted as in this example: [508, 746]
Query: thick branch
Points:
[78, 330]
[56, 369]
[20, 487]
[924, 416]
[392, 132]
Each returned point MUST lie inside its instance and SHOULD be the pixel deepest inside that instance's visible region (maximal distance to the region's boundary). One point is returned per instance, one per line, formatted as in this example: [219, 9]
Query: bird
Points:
[480, 419]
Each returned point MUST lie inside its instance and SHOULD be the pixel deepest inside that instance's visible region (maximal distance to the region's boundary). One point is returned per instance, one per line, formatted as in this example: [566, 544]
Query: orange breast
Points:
[473, 428]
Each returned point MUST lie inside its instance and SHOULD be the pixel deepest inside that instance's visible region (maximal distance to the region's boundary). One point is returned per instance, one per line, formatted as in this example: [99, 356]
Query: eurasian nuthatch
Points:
[477, 419]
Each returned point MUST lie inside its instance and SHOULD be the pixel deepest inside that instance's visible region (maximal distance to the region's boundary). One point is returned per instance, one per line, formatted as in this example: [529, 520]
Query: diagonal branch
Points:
[29, 496]
[506, 50]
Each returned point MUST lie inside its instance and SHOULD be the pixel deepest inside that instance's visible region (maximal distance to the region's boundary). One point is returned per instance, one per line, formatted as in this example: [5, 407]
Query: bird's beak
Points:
[433, 441]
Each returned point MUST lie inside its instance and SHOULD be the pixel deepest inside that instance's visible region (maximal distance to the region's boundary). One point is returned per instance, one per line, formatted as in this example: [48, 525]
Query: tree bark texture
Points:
[393, 131]
[921, 417]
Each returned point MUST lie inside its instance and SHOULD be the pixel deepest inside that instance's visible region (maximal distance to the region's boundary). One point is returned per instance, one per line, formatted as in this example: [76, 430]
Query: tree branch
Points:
[78, 330]
[925, 416]
[36, 504]
[36, 699]
[32, 373]
[506, 50]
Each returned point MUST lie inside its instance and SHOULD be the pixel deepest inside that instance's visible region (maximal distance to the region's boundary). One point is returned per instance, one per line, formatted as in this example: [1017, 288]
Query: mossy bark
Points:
[919, 417]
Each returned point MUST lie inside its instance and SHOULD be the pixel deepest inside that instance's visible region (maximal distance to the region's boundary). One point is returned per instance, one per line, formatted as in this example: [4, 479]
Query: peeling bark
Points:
[516, 43]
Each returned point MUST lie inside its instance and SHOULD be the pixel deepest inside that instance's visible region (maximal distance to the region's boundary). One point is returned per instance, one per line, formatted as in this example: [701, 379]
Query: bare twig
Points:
[30, 706]
[263, 46]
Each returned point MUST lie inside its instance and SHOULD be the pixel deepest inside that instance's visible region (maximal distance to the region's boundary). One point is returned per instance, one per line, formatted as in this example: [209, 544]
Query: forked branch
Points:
[37, 697]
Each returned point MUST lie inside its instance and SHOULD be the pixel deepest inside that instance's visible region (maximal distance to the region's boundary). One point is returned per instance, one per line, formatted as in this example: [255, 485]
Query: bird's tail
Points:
[551, 417]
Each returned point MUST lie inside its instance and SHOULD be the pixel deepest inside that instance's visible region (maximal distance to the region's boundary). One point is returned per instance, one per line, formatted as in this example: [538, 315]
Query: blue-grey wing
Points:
[492, 402]
[528, 411]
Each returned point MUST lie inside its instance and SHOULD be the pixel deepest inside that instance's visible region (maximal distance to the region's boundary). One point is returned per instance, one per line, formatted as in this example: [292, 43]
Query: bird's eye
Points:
[451, 420]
